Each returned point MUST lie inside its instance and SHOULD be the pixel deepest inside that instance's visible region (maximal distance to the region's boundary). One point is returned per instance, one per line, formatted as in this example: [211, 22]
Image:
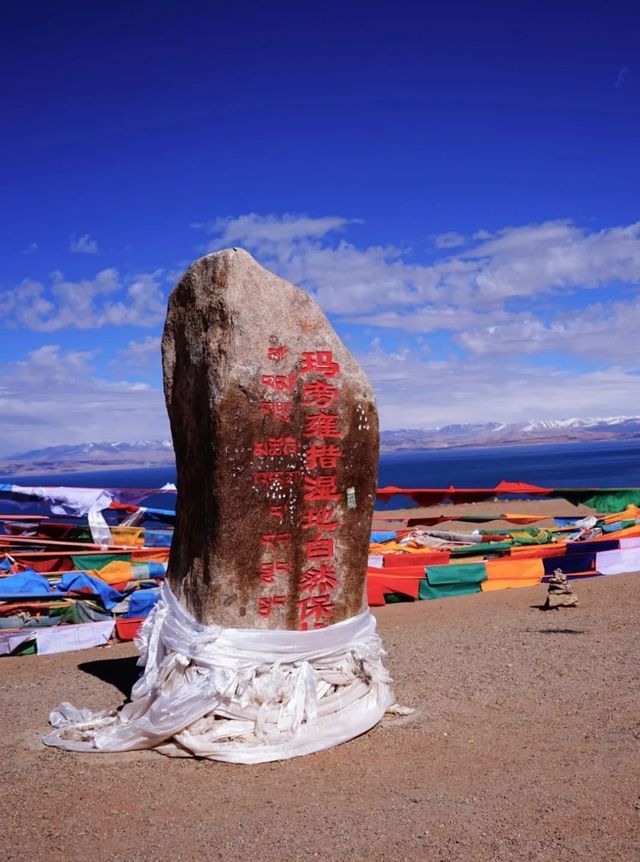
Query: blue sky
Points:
[457, 184]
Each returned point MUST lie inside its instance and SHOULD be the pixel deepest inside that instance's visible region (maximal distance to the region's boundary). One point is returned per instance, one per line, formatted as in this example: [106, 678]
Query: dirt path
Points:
[524, 746]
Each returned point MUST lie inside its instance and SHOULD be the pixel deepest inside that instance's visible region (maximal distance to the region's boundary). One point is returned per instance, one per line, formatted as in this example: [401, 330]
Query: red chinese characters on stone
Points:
[323, 518]
[280, 410]
[267, 603]
[280, 382]
[320, 488]
[322, 425]
[269, 571]
[317, 609]
[322, 577]
[277, 354]
[318, 451]
[319, 394]
[320, 549]
[325, 456]
[320, 361]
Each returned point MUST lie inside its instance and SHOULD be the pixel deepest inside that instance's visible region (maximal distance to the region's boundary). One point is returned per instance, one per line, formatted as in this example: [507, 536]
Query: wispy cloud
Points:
[607, 332]
[84, 244]
[107, 299]
[489, 313]
[417, 392]
[497, 301]
[522, 261]
[140, 354]
[451, 239]
[53, 397]
[621, 77]
[32, 248]
[257, 230]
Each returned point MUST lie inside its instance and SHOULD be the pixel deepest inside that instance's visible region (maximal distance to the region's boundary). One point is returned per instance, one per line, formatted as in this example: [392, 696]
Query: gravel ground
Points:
[523, 746]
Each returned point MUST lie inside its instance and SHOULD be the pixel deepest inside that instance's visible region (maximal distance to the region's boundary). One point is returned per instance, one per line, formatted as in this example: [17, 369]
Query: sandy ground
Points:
[523, 746]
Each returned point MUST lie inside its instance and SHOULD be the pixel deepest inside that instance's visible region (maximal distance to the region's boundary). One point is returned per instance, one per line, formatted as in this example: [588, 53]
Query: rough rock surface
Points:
[276, 438]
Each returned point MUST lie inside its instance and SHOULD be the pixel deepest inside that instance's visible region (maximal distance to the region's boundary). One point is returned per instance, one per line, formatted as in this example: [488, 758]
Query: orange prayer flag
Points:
[515, 570]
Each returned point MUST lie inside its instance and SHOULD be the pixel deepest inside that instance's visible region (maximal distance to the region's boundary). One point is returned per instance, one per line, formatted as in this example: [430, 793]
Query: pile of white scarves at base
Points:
[239, 695]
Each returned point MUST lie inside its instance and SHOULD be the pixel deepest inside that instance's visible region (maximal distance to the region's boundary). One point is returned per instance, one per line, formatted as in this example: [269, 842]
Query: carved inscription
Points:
[313, 458]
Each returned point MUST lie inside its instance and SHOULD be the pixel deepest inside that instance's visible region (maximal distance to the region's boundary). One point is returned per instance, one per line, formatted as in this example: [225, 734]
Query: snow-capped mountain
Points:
[159, 453]
[90, 456]
[501, 434]
[91, 449]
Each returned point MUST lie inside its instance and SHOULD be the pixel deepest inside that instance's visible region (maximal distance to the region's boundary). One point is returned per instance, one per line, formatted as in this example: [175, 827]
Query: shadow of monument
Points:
[121, 673]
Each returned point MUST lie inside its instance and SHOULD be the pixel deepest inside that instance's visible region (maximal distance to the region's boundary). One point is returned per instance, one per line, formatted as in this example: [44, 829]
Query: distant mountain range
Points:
[86, 457]
[500, 434]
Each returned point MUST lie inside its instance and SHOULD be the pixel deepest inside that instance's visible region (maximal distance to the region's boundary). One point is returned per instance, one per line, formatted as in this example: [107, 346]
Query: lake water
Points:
[572, 465]
[601, 465]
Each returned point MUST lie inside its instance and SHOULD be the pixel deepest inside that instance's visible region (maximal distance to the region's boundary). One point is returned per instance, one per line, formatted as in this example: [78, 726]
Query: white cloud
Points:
[255, 230]
[50, 367]
[554, 256]
[432, 318]
[525, 261]
[469, 294]
[106, 299]
[414, 392]
[451, 239]
[140, 354]
[605, 332]
[52, 398]
[84, 244]
[32, 248]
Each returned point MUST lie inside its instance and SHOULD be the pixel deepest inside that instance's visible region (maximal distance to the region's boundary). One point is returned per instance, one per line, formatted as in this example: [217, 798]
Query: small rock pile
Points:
[560, 594]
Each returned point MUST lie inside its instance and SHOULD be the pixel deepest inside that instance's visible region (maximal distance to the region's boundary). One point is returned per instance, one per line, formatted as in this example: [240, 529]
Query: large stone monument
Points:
[262, 646]
[275, 432]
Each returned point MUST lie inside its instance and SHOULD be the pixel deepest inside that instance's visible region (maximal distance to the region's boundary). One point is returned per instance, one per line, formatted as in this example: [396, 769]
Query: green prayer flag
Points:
[481, 548]
[428, 591]
[84, 562]
[602, 500]
[461, 573]
[397, 598]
